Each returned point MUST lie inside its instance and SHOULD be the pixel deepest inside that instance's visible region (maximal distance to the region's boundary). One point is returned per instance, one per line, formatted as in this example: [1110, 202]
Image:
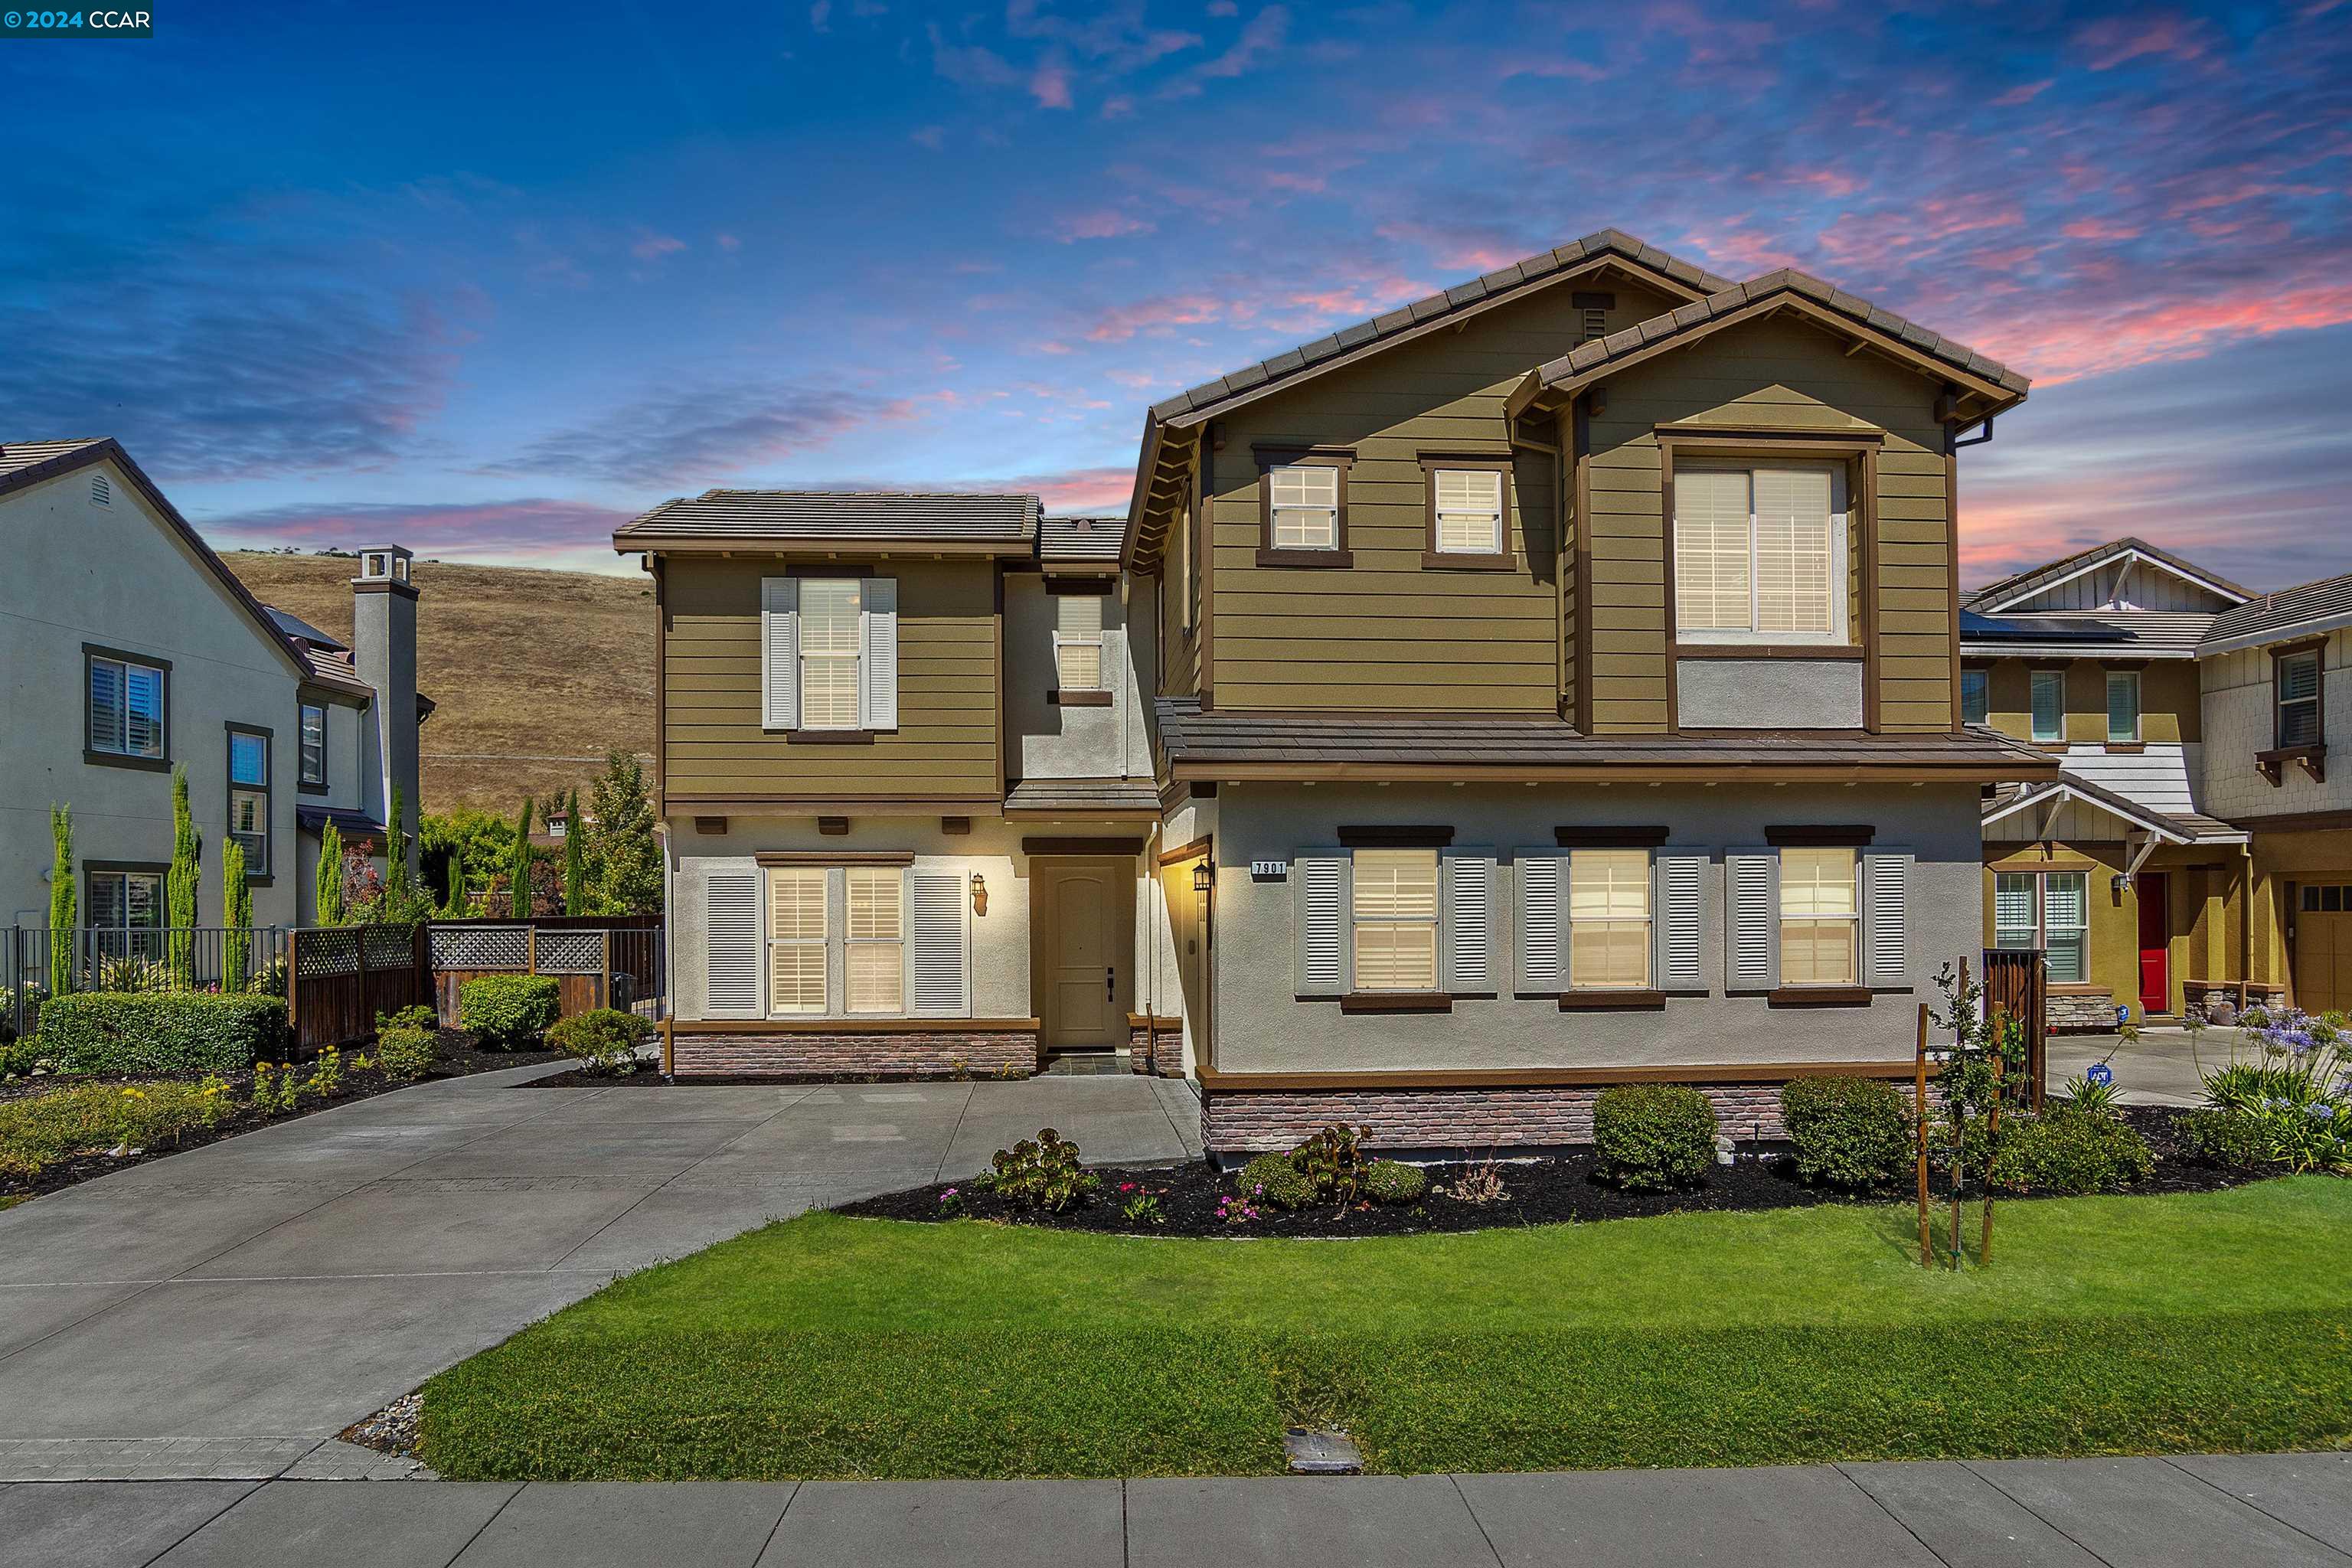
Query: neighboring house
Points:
[129, 647]
[1553, 683]
[2193, 849]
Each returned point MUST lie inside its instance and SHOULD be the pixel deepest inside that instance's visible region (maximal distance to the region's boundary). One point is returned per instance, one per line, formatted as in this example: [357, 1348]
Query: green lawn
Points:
[831, 1347]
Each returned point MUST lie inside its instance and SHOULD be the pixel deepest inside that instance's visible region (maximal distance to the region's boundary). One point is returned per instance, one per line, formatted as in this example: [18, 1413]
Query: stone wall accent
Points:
[2083, 1012]
[1155, 1046]
[2201, 997]
[1467, 1120]
[852, 1053]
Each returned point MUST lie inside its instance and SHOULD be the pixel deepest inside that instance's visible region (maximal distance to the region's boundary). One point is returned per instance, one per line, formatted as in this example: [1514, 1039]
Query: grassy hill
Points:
[536, 674]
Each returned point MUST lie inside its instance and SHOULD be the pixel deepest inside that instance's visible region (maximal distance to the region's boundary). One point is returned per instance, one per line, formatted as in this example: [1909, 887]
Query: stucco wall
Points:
[1260, 1027]
[1051, 740]
[1767, 694]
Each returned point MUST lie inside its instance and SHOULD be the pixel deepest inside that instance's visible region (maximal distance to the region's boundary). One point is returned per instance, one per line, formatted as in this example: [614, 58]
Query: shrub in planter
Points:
[161, 1032]
[406, 1053]
[1274, 1180]
[1334, 1161]
[507, 1012]
[1389, 1182]
[1849, 1132]
[1648, 1137]
[1042, 1173]
[603, 1039]
[2069, 1152]
[2229, 1139]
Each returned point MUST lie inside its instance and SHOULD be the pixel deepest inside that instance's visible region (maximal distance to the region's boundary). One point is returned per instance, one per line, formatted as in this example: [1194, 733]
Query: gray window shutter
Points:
[1323, 879]
[1751, 948]
[1541, 883]
[779, 653]
[731, 944]
[1469, 922]
[1886, 917]
[1680, 910]
[877, 655]
[939, 983]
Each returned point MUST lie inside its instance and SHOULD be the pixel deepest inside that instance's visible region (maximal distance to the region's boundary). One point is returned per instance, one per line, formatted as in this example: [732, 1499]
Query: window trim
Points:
[802, 659]
[1816, 844]
[1435, 921]
[1648, 984]
[850, 941]
[1269, 458]
[158, 870]
[267, 787]
[770, 942]
[303, 782]
[2139, 715]
[90, 753]
[2318, 653]
[836, 940]
[1434, 556]
[2033, 678]
[1846, 615]
[1983, 677]
[2038, 877]
[1063, 694]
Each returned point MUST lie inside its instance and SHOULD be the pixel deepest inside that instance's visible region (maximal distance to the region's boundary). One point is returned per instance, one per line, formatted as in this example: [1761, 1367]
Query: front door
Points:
[1084, 910]
[2155, 942]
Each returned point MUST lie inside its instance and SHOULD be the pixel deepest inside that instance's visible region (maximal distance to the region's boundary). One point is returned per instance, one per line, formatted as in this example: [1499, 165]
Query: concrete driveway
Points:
[222, 1312]
[2160, 1068]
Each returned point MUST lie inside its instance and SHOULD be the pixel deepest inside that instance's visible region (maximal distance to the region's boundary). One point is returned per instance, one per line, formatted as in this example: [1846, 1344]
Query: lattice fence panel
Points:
[571, 952]
[327, 950]
[481, 947]
[388, 947]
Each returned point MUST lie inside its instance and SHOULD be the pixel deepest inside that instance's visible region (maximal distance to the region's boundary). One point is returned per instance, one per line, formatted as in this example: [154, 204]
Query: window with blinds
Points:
[796, 939]
[1469, 504]
[1608, 919]
[1976, 696]
[2048, 910]
[2014, 902]
[314, 743]
[2123, 706]
[2048, 705]
[1305, 501]
[126, 707]
[1760, 554]
[2298, 699]
[828, 652]
[1078, 641]
[1821, 918]
[1396, 920]
[874, 950]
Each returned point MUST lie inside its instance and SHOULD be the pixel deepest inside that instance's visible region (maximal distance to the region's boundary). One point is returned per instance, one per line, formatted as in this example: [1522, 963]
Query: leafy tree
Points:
[399, 889]
[466, 836]
[575, 860]
[61, 901]
[627, 859]
[329, 893]
[236, 915]
[179, 882]
[519, 864]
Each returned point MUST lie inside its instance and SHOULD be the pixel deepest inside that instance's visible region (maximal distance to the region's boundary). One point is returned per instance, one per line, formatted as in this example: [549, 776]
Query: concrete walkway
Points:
[2158, 1068]
[220, 1314]
[2290, 1510]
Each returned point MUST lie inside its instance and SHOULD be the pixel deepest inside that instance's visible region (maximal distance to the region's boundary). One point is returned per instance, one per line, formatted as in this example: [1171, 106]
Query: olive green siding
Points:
[1180, 638]
[946, 743]
[1388, 634]
[2169, 701]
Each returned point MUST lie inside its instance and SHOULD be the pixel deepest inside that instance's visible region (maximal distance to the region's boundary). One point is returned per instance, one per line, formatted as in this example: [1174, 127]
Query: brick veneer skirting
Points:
[1474, 1119]
[2081, 1012]
[1155, 1046]
[860, 1053]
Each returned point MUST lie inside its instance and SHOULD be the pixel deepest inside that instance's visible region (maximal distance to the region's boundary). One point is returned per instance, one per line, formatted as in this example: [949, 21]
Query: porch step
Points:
[1087, 1064]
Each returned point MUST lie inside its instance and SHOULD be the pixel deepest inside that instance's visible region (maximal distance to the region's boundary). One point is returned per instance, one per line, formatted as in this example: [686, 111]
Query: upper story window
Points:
[314, 745]
[2297, 681]
[829, 654]
[1821, 917]
[1469, 512]
[1608, 919]
[2123, 707]
[2049, 706]
[1396, 920]
[1760, 555]
[829, 612]
[1303, 507]
[1078, 642]
[129, 700]
[248, 796]
[1976, 696]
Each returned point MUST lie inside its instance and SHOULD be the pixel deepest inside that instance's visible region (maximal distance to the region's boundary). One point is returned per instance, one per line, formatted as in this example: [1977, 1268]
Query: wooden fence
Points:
[2017, 983]
[341, 977]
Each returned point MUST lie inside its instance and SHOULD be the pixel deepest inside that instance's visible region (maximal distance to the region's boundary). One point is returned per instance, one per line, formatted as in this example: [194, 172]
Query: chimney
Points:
[383, 650]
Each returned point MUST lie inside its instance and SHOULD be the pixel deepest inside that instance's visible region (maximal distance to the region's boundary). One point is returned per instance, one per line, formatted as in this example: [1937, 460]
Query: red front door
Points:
[2155, 937]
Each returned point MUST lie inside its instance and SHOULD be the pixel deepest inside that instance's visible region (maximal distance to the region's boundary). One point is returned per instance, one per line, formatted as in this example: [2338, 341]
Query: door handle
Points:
[1111, 981]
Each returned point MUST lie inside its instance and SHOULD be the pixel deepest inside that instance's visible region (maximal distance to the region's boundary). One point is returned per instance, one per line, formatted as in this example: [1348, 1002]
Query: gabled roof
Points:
[1096, 539]
[2025, 584]
[294, 626]
[954, 521]
[1999, 385]
[2084, 634]
[2307, 610]
[2165, 826]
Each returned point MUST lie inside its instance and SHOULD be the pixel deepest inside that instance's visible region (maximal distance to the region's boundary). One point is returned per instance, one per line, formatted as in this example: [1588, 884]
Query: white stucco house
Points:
[128, 647]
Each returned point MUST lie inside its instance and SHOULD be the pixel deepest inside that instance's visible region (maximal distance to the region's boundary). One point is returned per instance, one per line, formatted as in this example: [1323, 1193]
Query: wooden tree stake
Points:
[1992, 1135]
[1919, 1113]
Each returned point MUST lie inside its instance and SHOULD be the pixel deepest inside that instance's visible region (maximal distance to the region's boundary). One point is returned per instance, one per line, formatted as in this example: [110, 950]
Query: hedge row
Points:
[162, 1032]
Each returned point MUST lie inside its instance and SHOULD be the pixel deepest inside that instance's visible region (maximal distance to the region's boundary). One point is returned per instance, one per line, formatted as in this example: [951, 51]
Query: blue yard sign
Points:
[2100, 1074]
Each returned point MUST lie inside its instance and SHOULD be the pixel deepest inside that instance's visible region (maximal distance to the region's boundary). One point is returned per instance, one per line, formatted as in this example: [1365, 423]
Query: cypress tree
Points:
[575, 861]
[236, 915]
[329, 895]
[61, 901]
[453, 907]
[520, 869]
[179, 882]
[397, 893]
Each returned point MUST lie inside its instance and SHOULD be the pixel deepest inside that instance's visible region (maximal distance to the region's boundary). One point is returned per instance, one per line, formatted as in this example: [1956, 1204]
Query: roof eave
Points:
[2293, 631]
[2085, 649]
[827, 545]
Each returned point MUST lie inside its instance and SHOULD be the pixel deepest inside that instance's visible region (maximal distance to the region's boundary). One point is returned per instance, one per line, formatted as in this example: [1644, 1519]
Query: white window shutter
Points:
[1322, 878]
[940, 978]
[1886, 918]
[1680, 910]
[1469, 919]
[731, 945]
[779, 653]
[877, 655]
[1751, 950]
[1542, 881]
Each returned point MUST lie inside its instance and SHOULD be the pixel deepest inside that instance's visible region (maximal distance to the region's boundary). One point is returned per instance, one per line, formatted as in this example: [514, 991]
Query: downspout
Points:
[2245, 921]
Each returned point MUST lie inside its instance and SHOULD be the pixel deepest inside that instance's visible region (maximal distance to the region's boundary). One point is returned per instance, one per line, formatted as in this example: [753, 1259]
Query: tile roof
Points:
[1219, 737]
[2155, 633]
[2318, 607]
[1502, 280]
[947, 516]
[1092, 538]
[1602, 351]
[1078, 796]
[347, 819]
[2018, 585]
[19, 455]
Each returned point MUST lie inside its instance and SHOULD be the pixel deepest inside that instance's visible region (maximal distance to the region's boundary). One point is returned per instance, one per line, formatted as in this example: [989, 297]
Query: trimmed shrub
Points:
[406, 1053]
[1042, 1173]
[507, 1012]
[1389, 1182]
[1849, 1132]
[2069, 1152]
[1274, 1179]
[1647, 1137]
[2230, 1140]
[603, 1039]
[162, 1032]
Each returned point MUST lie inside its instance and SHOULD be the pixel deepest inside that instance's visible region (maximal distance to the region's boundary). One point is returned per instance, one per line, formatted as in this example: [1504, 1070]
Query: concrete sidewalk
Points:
[221, 1312]
[2292, 1510]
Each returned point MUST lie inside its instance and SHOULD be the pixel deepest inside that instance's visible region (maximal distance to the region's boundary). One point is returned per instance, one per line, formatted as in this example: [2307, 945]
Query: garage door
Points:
[2323, 947]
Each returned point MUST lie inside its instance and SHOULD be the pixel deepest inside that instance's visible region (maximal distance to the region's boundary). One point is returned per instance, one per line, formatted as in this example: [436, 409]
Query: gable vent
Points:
[102, 490]
[1596, 324]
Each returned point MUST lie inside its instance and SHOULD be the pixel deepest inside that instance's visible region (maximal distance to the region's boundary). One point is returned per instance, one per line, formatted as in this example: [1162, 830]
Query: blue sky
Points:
[487, 279]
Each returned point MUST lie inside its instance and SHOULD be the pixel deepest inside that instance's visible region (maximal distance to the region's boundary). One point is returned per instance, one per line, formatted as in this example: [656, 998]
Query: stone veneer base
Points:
[1468, 1119]
[1157, 1047]
[877, 1052]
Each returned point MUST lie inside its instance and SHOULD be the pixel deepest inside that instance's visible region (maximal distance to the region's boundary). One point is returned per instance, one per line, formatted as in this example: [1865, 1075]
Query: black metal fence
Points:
[38, 963]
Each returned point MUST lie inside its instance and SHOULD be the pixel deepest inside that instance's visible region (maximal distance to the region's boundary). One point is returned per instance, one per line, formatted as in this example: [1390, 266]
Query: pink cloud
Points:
[534, 529]
[2024, 92]
[650, 245]
[2099, 229]
[1050, 85]
[2062, 341]
[2112, 41]
[1120, 323]
[729, 242]
[1103, 222]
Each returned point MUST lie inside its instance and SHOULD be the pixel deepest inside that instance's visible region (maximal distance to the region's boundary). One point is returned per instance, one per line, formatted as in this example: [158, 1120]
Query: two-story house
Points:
[1552, 683]
[127, 648]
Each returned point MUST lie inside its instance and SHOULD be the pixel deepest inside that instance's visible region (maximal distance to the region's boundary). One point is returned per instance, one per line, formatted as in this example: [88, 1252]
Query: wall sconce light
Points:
[1204, 878]
[979, 894]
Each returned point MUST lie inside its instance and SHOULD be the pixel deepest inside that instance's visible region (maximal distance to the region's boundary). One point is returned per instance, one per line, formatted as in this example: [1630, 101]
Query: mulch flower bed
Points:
[459, 1059]
[1191, 1197]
